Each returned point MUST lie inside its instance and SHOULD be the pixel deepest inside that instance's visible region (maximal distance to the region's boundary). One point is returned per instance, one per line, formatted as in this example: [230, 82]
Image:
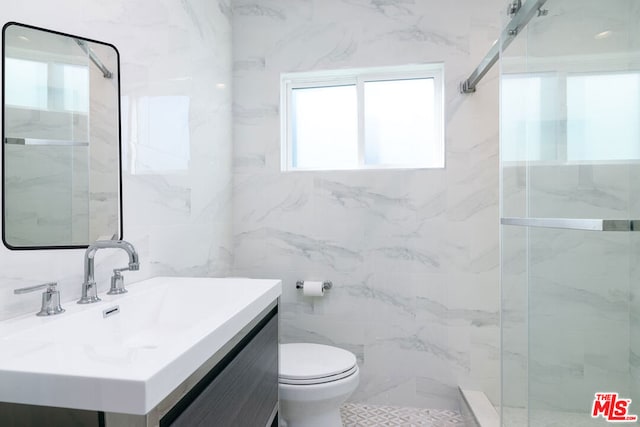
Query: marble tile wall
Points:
[568, 295]
[39, 194]
[413, 254]
[178, 219]
[102, 191]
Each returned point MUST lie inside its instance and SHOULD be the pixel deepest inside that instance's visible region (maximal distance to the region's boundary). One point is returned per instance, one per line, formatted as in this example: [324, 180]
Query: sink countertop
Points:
[128, 362]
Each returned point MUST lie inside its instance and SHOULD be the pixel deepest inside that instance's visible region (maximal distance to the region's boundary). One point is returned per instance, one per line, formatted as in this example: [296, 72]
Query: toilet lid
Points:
[303, 361]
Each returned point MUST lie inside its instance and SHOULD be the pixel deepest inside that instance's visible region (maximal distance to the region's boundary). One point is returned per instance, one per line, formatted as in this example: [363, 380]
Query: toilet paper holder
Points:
[326, 285]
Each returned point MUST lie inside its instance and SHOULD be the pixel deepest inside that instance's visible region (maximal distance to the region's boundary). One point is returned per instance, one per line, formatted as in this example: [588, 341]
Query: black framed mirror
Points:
[61, 140]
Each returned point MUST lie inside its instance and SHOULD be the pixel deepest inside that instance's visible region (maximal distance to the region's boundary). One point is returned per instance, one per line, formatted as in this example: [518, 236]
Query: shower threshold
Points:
[477, 410]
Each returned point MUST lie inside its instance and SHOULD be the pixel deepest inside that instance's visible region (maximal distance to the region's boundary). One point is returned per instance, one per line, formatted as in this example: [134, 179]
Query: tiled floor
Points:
[356, 415]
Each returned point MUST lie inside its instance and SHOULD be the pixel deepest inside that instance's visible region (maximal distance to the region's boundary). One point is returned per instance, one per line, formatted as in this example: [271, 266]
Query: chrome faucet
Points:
[89, 286]
[50, 298]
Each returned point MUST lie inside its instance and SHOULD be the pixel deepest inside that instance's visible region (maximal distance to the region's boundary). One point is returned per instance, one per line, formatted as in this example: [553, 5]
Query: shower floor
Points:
[357, 414]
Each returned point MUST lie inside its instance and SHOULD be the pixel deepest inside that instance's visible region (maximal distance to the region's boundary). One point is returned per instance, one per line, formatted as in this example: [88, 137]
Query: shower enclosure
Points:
[570, 213]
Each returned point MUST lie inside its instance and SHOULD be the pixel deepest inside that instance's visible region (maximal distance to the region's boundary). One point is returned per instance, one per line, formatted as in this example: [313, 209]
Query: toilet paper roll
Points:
[312, 289]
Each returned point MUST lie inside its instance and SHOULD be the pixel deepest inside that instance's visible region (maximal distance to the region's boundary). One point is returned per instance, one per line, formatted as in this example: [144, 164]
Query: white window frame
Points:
[358, 77]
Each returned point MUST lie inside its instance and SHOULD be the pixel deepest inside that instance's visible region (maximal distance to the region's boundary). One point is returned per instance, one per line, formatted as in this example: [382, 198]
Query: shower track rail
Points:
[575, 223]
[523, 13]
[39, 141]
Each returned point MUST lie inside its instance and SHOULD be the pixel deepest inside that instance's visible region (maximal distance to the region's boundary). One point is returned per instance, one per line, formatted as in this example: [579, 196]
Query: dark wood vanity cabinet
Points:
[237, 386]
[241, 390]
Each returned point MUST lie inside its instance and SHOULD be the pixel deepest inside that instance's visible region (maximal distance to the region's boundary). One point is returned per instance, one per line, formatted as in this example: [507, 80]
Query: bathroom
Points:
[429, 291]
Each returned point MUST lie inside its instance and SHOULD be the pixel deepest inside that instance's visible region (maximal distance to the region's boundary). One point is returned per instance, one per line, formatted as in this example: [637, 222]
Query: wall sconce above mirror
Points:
[61, 174]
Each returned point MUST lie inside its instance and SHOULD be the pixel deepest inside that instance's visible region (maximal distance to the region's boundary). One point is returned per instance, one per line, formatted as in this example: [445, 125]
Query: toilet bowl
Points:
[314, 380]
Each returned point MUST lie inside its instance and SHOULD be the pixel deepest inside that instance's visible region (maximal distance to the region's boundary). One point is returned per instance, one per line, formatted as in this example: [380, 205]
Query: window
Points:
[47, 85]
[388, 117]
[561, 117]
[602, 117]
[29, 83]
[530, 112]
[75, 89]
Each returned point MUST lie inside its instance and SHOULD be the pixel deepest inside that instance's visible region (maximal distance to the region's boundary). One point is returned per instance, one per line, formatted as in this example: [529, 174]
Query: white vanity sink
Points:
[129, 361]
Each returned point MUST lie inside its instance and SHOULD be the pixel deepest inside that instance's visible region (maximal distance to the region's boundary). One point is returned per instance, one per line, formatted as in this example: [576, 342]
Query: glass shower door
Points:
[570, 145]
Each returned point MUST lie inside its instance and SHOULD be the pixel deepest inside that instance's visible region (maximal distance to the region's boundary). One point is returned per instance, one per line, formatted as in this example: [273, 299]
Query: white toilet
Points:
[314, 381]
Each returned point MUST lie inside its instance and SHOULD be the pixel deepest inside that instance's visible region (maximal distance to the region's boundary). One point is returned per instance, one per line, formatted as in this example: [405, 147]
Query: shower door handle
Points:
[575, 223]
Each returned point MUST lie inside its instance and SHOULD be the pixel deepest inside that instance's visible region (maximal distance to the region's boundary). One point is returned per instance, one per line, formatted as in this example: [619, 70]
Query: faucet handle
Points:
[50, 298]
[48, 285]
[117, 282]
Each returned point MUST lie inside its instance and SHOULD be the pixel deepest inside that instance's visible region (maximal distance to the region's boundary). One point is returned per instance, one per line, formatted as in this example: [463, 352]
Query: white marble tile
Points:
[284, 198]
[393, 241]
[166, 49]
[579, 191]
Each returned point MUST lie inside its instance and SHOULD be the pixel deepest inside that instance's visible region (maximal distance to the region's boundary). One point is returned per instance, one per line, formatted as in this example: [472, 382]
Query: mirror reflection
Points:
[61, 140]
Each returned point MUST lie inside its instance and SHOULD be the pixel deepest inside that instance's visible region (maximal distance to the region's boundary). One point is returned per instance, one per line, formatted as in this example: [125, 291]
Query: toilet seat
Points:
[313, 381]
[308, 364]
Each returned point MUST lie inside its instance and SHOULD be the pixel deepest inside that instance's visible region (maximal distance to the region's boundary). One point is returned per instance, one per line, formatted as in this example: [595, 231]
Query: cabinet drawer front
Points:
[244, 392]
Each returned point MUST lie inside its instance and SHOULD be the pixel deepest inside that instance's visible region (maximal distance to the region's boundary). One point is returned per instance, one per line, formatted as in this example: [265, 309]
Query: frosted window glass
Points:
[399, 122]
[520, 107]
[76, 88]
[29, 84]
[603, 113]
[325, 128]
[530, 117]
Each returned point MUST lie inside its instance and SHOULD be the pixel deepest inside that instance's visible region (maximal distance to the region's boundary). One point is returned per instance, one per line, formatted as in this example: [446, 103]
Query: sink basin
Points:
[157, 335]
